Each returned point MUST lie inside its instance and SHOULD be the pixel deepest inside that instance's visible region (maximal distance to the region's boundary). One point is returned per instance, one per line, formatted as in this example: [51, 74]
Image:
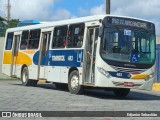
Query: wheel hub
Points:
[24, 77]
[74, 82]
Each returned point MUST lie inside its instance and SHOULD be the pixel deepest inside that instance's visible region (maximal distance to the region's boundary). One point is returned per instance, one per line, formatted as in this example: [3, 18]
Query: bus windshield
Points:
[128, 45]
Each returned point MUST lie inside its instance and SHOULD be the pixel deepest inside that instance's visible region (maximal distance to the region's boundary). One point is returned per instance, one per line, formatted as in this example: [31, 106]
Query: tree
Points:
[2, 19]
[12, 23]
[4, 25]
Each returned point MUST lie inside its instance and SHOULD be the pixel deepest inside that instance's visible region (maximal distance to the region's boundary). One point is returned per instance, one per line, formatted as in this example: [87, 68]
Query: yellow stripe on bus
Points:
[20, 59]
[139, 76]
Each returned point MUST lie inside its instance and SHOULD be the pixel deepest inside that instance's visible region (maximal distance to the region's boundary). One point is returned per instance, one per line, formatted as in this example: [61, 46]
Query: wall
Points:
[1, 48]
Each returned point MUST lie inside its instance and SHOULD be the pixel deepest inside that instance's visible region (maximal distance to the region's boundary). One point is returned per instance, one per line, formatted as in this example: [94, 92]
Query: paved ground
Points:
[45, 97]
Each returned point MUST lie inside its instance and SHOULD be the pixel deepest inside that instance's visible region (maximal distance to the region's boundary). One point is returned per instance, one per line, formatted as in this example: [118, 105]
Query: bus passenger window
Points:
[24, 40]
[59, 37]
[9, 41]
[76, 33]
[34, 39]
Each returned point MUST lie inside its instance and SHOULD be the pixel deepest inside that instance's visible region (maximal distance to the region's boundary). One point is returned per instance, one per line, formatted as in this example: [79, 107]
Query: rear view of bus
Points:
[127, 54]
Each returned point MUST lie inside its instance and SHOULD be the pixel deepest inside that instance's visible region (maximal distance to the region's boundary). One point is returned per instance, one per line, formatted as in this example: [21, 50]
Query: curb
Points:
[156, 87]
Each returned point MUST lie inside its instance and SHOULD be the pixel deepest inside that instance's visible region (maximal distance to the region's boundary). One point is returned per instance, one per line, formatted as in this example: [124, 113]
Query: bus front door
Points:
[15, 55]
[43, 56]
[91, 46]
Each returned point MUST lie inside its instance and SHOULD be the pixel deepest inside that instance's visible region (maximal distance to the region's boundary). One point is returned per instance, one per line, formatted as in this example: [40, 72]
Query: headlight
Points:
[150, 77]
[104, 72]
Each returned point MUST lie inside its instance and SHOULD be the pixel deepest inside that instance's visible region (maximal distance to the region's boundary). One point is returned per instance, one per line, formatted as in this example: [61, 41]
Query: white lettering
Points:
[58, 58]
[129, 23]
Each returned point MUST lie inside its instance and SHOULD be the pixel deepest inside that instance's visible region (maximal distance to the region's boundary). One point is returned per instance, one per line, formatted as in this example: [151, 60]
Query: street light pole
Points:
[8, 10]
[107, 6]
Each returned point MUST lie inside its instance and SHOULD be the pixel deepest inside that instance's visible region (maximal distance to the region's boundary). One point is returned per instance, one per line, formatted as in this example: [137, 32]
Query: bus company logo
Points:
[6, 114]
[58, 58]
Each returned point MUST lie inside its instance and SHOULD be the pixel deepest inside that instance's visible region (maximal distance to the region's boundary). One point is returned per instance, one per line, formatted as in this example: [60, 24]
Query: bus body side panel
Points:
[54, 74]
[59, 63]
[18, 71]
[33, 72]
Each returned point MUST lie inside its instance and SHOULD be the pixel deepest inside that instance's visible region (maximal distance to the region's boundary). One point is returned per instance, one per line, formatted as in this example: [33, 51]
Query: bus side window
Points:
[9, 41]
[59, 37]
[24, 40]
[75, 33]
[34, 37]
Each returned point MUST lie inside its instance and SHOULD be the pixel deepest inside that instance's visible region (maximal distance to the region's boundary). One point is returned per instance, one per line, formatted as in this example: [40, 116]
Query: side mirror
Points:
[101, 31]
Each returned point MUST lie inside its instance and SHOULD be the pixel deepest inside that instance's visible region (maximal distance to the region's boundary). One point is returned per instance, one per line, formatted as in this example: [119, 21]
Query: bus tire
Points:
[121, 92]
[25, 77]
[73, 83]
[34, 82]
[61, 86]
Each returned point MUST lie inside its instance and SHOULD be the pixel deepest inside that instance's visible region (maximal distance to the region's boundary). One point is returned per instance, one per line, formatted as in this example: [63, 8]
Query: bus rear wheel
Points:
[73, 83]
[121, 92]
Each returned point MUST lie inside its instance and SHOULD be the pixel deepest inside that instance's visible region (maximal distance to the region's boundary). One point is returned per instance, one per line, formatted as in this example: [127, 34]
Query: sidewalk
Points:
[5, 77]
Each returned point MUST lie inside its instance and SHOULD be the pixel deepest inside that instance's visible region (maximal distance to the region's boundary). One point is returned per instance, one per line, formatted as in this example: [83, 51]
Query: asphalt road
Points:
[45, 97]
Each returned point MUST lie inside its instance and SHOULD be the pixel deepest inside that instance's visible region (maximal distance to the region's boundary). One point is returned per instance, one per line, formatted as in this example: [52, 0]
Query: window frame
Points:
[80, 36]
[7, 41]
[31, 38]
[64, 37]
[24, 39]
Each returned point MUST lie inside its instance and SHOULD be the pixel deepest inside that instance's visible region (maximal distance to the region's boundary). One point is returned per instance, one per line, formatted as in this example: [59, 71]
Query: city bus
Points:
[101, 51]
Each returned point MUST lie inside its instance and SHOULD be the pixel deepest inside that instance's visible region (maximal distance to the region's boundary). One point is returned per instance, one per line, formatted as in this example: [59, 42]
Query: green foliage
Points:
[10, 24]
[2, 19]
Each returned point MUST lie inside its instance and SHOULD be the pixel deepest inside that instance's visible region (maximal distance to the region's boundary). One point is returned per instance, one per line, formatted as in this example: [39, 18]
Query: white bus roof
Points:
[68, 21]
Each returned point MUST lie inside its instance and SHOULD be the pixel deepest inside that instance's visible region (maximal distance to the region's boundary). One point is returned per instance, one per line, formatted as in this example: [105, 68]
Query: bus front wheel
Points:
[25, 77]
[121, 92]
[73, 83]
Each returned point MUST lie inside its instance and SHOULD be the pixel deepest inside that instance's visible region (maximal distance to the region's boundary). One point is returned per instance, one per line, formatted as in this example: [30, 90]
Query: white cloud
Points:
[62, 14]
[98, 10]
[136, 8]
[35, 9]
[32, 9]
[2, 8]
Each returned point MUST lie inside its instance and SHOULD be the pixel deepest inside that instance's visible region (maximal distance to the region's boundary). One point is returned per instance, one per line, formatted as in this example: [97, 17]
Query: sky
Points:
[53, 10]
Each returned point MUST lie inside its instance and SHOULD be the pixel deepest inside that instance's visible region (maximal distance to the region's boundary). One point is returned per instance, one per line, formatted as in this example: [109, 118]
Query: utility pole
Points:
[108, 6]
[8, 6]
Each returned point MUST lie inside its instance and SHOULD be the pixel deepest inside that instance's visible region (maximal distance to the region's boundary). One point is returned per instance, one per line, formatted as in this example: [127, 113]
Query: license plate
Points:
[128, 84]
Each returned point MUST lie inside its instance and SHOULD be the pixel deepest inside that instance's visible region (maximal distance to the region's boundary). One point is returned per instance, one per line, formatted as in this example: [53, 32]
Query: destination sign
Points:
[128, 22]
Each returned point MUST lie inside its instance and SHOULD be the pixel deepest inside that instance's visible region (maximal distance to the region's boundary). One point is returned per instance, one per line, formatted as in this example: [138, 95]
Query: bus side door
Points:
[91, 45]
[43, 56]
[15, 49]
